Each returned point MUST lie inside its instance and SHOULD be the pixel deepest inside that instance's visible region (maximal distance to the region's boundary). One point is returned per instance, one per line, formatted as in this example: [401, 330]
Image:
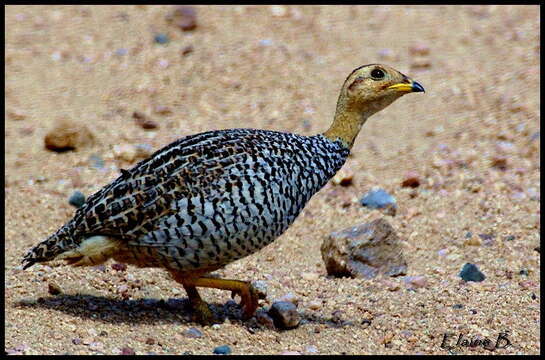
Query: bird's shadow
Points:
[147, 310]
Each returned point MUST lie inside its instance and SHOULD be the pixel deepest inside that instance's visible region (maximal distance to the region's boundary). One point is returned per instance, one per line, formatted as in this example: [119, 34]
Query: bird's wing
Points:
[189, 167]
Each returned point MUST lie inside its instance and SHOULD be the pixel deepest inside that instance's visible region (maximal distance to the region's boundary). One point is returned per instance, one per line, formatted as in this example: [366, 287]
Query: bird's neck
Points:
[347, 124]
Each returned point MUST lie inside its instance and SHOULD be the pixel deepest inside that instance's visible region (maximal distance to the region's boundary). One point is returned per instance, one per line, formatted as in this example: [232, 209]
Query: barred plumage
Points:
[212, 198]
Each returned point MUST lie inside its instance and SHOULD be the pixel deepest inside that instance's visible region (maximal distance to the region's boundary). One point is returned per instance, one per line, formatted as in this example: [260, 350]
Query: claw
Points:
[249, 303]
[203, 315]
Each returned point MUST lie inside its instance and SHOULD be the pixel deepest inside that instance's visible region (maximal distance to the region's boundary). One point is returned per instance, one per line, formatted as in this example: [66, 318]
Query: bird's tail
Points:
[49, 249]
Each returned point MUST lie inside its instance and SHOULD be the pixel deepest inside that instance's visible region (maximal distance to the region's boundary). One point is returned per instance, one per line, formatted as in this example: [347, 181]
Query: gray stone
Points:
[192, 333]
[77, 199]
[284, 315]
[222, 350]
[380, 199]
[470, 272]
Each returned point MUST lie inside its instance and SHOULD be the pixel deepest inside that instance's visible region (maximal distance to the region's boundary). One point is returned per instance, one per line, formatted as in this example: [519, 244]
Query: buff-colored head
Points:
[367, 90]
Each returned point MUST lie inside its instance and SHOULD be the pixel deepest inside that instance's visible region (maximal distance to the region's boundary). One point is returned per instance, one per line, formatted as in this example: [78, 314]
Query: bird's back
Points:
[204, 200]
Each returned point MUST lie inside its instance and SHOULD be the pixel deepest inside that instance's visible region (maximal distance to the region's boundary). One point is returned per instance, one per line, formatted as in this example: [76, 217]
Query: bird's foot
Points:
[203, 315]
[248, 299]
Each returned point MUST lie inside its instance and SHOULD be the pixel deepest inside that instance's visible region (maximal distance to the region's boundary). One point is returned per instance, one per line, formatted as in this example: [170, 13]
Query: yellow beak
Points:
[412, 86]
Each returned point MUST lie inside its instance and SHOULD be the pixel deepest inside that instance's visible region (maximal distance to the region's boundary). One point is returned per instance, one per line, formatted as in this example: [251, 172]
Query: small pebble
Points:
[162, 110]
[442, 252]
[77, 199]
[470, 272]
[315, 305]
[289, 297]
[143, 121]
[391, 285]
[377, 199]
[527, 284]
[192, 333]
[184, 17]
[411, 179]
[127, 351]
[161, 38]
[54, 289]
[264, 319]
[150, 341]
[21, 347]
[488, 239]
[419, 49]
[311, 349]
[122, 289]
[284, 314]
[186, 50]
[222, 350]
[472, 241]
[499, 162]
[336, 316]
[76, 341]
[524, 272]
[457, 306]
[119, 267]
[343, 178]
[260, 287]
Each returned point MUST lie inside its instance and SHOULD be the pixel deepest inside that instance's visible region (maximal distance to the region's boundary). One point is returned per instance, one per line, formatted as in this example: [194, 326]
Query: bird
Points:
[212, 198]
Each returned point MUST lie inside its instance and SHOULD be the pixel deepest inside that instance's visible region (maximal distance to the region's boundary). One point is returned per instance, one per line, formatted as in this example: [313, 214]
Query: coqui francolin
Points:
[209, 199]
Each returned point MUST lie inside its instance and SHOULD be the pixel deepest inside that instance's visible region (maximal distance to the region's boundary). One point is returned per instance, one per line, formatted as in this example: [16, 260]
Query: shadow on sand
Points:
[171, 311]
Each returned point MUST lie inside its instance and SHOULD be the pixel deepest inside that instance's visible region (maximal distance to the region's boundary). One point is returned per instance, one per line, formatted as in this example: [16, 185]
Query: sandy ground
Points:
[473, 138]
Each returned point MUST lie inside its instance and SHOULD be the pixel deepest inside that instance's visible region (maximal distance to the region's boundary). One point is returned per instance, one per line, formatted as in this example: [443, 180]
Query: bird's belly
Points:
[214, 233]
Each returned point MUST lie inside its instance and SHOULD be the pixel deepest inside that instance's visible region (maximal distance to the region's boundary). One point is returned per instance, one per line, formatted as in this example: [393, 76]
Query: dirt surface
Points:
[472, 141]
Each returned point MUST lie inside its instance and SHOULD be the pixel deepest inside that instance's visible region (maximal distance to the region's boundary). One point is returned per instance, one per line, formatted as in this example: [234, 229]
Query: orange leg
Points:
[190, 281]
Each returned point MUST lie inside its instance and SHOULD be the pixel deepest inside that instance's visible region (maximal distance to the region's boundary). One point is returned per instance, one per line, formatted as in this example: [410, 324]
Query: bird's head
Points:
[367, 90]
[370, 88]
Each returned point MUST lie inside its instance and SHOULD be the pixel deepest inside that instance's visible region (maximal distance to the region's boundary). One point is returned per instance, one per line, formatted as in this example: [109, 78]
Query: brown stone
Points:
[364, 251]
[143, 121]
[185, 17]
[412, 179]
[67, 135]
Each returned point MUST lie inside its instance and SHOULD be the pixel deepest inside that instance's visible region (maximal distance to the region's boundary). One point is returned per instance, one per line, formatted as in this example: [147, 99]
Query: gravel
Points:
[470, 272]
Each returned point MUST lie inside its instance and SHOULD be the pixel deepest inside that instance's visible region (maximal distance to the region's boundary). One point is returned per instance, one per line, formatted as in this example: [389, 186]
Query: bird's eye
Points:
[377, 74]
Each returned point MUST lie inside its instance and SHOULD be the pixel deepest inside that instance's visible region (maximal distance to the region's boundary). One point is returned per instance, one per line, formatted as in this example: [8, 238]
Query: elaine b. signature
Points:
[502, 342]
